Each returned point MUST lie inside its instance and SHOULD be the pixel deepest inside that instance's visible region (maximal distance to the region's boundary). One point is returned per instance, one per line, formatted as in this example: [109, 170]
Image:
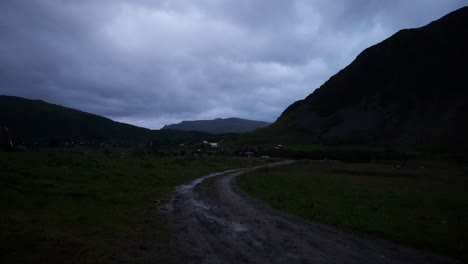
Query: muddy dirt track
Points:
[224, 225]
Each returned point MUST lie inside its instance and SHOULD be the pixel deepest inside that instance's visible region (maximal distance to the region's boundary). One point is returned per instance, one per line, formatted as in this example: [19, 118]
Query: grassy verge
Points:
[60, 208]
[424, 206]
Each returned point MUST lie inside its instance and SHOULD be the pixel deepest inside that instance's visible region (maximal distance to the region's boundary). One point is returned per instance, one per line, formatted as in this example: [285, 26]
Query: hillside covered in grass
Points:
[410, 89]
[35, 120]
[38, 121]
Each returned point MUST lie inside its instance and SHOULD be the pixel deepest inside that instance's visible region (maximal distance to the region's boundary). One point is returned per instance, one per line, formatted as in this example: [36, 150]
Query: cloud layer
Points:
[150, 62]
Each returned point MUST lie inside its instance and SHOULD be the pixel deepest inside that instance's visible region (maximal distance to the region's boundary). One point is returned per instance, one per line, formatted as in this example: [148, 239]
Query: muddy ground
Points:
[214, 222]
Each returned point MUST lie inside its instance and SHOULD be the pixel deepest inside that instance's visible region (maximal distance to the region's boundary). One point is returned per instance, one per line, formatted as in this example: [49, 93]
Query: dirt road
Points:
[224, 225]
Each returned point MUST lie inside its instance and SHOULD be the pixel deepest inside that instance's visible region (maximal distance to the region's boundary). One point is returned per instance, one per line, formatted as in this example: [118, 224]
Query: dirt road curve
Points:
[231, 227]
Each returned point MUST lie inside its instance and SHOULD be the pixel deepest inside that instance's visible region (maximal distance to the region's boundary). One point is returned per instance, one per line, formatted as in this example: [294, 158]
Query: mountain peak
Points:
[219, 125]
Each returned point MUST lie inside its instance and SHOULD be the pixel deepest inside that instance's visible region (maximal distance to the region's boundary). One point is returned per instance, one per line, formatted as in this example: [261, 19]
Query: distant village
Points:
[95, 147]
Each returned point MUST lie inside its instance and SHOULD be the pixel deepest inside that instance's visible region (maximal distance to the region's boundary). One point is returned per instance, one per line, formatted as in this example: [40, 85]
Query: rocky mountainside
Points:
[219, 125]
[410, 89]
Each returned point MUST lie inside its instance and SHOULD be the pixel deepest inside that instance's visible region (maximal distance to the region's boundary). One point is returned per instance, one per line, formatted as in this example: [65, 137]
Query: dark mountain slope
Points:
[38, 120]
[219, 125]
[410, 89]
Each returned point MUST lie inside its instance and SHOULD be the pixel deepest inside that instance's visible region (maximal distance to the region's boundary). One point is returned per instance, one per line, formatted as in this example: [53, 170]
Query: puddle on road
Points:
[200, 204]
[189, 186]
[226, 223]
[236, 227]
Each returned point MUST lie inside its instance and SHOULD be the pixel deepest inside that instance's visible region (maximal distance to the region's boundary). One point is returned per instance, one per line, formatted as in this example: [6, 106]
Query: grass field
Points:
[423, 205]
[59, 208]
[305, 147]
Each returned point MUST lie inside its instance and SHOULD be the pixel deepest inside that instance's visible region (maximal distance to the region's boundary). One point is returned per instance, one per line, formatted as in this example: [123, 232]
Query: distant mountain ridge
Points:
[36, 121]
[39, 120]
[410, 89]
[219, 125]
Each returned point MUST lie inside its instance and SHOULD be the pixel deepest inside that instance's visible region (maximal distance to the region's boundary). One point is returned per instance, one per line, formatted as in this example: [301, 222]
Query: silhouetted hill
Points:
[410, 89]
[219, 125]
[40, 121]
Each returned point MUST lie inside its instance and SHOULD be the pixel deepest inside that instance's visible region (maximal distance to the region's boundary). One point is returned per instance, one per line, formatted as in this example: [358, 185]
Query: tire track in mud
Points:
[236, 228]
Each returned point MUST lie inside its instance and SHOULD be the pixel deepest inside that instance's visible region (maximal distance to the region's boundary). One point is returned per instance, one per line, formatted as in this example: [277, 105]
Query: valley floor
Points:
[214, 222]
[71, 208]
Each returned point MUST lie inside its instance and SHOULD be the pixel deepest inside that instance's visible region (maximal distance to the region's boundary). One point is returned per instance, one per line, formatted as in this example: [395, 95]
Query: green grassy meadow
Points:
[424, 205]
[63, 208]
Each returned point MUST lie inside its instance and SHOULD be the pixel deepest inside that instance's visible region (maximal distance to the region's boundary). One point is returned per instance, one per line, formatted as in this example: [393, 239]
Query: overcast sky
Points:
[152, 62]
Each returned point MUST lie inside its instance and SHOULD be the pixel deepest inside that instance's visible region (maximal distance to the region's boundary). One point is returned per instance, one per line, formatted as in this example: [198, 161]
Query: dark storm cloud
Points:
[156, 62]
